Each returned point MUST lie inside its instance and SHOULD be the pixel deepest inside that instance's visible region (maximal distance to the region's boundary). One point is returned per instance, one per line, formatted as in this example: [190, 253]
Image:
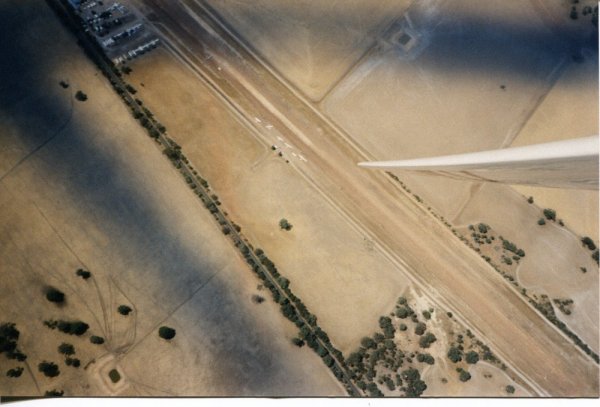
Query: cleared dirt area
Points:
[310, 42]
[424, 249]
[85, 187]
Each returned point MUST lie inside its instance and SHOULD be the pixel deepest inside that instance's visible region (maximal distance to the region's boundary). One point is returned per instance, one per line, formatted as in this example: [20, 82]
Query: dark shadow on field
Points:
[122, 211]
[461, 43]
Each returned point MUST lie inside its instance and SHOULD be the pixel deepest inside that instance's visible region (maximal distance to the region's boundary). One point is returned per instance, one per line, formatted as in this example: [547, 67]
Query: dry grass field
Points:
[258, 187]
[311, 43]
[81, 185]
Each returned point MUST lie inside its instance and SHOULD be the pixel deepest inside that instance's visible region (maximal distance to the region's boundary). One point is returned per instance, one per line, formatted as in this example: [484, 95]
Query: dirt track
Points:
[425, 250]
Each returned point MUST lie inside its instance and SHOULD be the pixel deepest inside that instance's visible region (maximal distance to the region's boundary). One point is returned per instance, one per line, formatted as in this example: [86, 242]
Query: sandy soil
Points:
[105, 198]
[311, 43]
[423, 248]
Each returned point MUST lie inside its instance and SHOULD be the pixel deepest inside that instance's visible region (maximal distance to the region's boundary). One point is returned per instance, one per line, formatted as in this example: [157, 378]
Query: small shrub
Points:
[464, 376]
[82, 97]
[54, 393]
[298, 342]
[54, 295]
[83, 273]
[454, 354]
[426, 315]
[541, 222]
[426, 340]
[284, 224]
[114, 376]
[510, 389]
[66, 349]
[530, 199]
[124, 309]
[166, 333]
[74, 362]
[96, 340]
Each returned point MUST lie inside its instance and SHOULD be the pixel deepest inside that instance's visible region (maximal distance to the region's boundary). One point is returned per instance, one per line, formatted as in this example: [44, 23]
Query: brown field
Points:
[427, 255]
[104, 198]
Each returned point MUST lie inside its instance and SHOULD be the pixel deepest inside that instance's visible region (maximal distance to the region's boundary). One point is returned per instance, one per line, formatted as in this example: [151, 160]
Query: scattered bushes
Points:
[166, 333]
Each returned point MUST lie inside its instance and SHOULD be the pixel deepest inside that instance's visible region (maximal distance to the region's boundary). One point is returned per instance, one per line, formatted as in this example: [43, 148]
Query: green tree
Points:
[471, 357]
[298, 342]
[550, 214]
[510, 389]
[454, 354]
[426, 340]
[166, 333]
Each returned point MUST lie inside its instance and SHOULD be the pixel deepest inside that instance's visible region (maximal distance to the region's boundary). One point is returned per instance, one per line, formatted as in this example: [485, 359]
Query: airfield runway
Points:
[425, 250]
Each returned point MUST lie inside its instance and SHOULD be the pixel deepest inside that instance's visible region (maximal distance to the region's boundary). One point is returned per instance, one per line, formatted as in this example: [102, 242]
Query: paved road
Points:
[454, 276]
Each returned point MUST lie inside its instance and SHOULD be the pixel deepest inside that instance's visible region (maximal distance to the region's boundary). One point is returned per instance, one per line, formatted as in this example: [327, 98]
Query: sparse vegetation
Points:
[541, 222]
[72, 328]
[74, 362]
[166, 333]
[530, 199]
[510, 389]
[54, 393]
[9, 336]
[464, 376]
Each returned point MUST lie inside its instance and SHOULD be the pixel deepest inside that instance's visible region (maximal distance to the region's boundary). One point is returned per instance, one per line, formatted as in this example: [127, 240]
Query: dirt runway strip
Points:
[425, 250]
